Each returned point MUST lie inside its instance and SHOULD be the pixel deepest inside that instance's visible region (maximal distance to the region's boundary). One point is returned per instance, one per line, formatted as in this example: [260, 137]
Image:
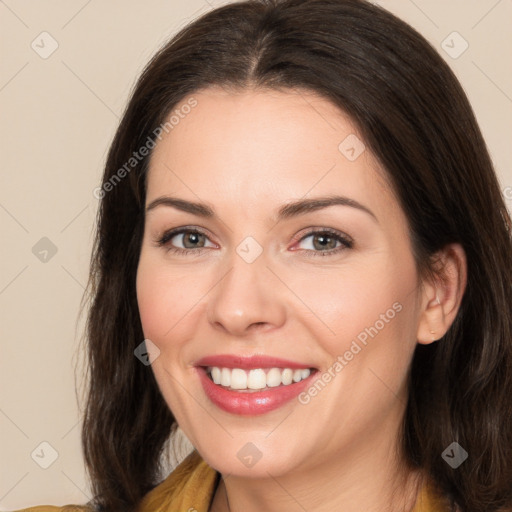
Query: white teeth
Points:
[238, 379]
[225, 378]
[274, 378]
[216, 375]
[287, 377]
[257, 378]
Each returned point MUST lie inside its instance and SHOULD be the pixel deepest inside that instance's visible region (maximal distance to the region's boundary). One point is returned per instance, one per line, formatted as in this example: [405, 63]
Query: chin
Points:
[248, 459]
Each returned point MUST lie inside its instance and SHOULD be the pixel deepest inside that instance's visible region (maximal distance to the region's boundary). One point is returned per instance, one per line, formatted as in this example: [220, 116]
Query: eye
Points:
[320, 242]
[325, 242]
[191, 240]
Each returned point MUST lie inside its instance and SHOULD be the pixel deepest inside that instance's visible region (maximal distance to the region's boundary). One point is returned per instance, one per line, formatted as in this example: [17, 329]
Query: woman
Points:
[300, 218]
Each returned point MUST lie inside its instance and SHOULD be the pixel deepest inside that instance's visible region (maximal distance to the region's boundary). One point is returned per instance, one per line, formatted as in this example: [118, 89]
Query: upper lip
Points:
[249, 362]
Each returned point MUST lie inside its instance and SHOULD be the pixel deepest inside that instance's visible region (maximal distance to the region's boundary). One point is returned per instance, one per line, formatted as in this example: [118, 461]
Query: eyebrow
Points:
[300, 207]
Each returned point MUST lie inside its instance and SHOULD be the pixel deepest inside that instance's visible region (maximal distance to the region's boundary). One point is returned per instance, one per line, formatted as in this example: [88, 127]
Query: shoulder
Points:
[432, 499]
[52, 508]
[190, 486]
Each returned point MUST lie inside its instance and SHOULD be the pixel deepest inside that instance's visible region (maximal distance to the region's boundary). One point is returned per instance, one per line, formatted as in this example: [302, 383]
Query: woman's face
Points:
[290, 255]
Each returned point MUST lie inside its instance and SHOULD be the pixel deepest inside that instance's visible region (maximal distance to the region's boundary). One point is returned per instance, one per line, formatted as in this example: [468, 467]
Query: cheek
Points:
[170, 300]
[380, 335]
[160, 298]
[371, 315]
[151, 301]
[359, 302]
[165, 300]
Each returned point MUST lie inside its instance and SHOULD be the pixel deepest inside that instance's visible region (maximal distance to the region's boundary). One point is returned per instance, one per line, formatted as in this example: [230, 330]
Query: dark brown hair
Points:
[416, 119]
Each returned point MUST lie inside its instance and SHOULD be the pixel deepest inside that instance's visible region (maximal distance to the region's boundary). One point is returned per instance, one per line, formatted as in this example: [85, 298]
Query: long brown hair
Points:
[416, 119]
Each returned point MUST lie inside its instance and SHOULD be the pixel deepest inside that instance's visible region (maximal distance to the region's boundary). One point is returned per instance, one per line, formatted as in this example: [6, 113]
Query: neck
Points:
[351, 484]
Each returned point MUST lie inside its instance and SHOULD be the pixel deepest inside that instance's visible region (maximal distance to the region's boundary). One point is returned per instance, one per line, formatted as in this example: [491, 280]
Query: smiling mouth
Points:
[256, 379]
[252, 385]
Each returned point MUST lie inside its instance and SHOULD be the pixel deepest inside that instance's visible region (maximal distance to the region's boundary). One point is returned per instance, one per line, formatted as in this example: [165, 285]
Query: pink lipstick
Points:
[252, 385]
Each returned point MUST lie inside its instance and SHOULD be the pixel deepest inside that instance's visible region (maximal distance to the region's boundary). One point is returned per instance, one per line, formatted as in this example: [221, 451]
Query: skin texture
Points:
[246, 154]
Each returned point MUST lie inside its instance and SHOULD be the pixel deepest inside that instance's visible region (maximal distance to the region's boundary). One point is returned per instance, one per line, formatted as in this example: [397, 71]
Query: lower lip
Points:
[250, 403]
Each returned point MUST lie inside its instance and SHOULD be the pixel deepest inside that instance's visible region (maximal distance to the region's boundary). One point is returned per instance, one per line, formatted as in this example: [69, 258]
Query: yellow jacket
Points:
[191, 486]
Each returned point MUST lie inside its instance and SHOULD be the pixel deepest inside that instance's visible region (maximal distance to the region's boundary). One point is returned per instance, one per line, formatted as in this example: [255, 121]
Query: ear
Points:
[442, 294]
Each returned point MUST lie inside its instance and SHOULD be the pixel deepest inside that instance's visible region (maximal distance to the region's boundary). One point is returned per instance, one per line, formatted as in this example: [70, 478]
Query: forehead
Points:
[258, 147]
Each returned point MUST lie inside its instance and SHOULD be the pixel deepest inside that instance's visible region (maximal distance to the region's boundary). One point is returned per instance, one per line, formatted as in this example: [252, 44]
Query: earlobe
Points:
[442, 295]
[432, 322]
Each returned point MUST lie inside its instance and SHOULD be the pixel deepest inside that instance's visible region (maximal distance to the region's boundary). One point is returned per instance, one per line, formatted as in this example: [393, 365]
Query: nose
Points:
[247, 299]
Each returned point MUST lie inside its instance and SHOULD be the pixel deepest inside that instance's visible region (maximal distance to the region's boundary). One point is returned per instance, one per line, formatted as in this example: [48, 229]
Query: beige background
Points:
[58, 117]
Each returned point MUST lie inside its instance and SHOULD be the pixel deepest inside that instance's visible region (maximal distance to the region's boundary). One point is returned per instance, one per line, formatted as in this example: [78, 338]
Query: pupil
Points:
[322, 242]
[192, 238]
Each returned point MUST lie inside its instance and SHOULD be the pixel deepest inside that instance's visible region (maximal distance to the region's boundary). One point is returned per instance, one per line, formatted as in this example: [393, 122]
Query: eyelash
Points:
[346, 241]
